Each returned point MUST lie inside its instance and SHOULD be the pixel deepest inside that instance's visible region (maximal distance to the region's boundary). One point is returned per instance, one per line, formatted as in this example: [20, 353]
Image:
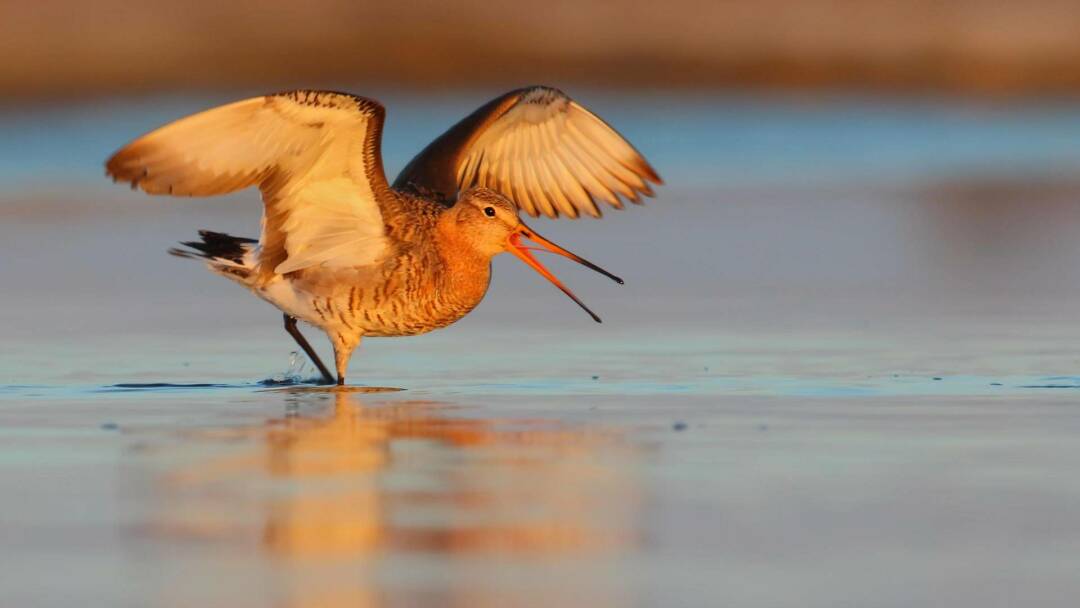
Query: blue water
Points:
[844, 365]
[694, 139]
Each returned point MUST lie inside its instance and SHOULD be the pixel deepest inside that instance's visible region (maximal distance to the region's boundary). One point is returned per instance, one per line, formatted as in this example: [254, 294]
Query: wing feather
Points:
[517, 173]
[613, 144]
[533, 174]
[544, 186]
[626, 185]
[313, 154]
[571, 173]
[560, 174]
[590, 174]
[536, 146]
[558, 199]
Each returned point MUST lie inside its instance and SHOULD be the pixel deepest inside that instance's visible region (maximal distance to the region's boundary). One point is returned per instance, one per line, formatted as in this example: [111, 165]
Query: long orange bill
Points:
[515, 247]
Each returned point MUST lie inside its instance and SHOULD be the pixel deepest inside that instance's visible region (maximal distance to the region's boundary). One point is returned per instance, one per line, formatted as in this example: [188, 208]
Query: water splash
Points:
[298, 372]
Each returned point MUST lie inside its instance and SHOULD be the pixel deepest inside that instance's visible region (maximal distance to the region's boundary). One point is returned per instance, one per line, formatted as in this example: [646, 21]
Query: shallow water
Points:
[843, 371]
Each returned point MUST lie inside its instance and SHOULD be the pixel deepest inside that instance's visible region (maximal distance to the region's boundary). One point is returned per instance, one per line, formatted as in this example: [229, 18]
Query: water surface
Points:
[843, 371]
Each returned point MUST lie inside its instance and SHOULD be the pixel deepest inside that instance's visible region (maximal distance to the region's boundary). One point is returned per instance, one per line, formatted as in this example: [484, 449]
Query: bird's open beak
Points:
[514, 246]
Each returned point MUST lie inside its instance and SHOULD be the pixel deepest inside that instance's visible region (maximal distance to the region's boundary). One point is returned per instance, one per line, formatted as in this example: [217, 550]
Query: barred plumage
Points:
[342, 249]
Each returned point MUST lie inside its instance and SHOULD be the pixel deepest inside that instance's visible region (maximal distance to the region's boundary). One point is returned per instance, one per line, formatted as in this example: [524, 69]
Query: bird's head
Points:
[488, 222]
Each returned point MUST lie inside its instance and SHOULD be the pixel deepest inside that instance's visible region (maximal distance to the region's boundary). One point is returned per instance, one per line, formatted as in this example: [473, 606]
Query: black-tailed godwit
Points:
[343, 249]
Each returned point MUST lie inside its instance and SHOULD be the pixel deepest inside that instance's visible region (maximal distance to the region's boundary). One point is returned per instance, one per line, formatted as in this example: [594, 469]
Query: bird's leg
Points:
[290, 326]
[344, 345]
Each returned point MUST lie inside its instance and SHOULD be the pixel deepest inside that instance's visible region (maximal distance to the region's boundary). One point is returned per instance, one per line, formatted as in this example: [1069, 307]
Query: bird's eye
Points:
[489, 211]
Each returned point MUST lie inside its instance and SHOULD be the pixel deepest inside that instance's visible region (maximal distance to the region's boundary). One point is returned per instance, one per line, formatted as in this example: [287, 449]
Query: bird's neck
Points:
[468, 270]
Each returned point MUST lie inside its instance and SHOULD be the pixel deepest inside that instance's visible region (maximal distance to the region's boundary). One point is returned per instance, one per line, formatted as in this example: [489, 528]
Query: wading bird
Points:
[351, 254]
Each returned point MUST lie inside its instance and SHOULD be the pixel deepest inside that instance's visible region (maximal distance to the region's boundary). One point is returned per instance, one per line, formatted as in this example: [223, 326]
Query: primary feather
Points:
[541, 149]
[313, 154]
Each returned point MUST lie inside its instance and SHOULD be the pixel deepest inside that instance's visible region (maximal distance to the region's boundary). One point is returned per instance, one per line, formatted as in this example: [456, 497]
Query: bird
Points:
[346, 251]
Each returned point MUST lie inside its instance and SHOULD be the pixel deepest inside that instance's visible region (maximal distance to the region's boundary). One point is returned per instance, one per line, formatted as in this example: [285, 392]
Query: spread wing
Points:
[539, 148]
[314, 155]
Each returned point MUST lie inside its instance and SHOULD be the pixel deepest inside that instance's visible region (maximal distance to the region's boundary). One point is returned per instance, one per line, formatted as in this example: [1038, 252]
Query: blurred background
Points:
[859, 139]
[828, 163]
[61, 49]
[863, 261]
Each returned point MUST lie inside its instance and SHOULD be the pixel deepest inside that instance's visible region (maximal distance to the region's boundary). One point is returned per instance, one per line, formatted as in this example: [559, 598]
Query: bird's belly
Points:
[400, 314]
[371, 310]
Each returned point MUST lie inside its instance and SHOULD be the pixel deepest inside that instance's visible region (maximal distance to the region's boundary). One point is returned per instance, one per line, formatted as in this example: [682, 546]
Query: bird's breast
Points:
[409, 295]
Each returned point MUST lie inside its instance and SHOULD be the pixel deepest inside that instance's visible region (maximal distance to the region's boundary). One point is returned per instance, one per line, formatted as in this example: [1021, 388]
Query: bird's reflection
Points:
[338, 480]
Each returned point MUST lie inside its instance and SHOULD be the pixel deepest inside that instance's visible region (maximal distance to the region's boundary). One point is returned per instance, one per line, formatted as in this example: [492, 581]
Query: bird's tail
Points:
[231, 256]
